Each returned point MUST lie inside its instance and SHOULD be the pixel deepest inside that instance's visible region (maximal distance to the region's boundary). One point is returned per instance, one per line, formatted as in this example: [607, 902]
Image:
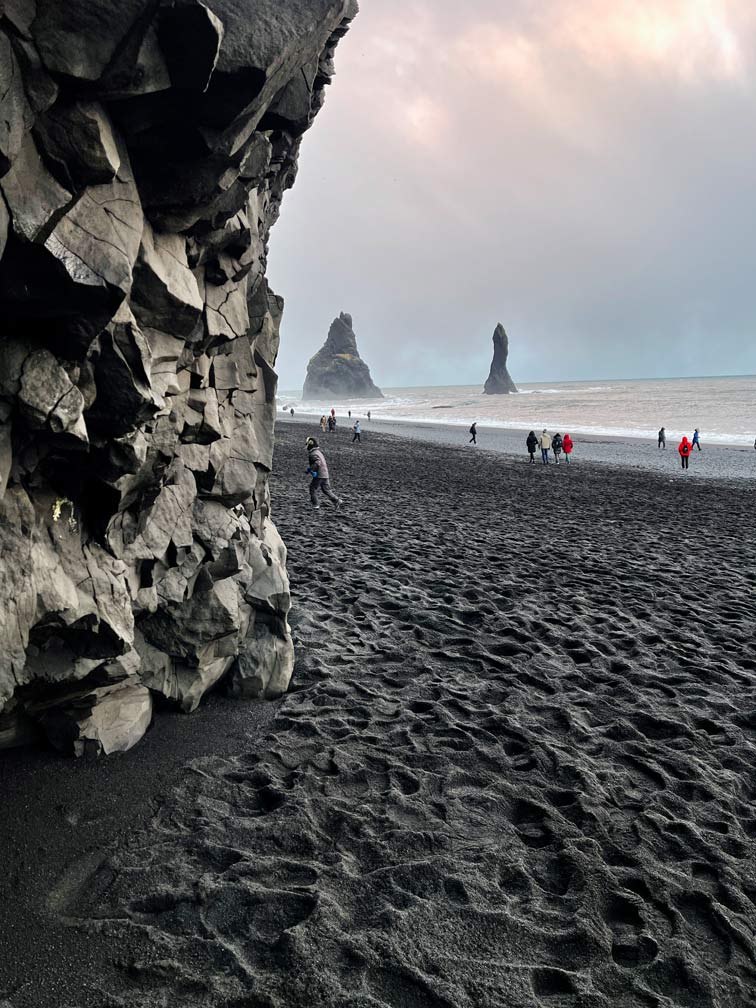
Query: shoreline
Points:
[715, 460]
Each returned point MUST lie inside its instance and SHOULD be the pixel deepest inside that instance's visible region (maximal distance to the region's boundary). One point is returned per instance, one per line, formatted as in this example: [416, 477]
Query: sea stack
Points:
[499, 381]
[337, 370]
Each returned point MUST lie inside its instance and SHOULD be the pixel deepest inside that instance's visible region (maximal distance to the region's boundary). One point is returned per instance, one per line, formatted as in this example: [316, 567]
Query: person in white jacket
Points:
[545, 442]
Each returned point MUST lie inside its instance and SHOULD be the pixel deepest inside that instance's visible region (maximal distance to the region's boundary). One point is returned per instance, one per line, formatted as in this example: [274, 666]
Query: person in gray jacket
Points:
[317, 467]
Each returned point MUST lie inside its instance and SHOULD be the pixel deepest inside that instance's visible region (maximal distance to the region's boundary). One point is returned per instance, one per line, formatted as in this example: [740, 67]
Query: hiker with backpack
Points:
[684, 448]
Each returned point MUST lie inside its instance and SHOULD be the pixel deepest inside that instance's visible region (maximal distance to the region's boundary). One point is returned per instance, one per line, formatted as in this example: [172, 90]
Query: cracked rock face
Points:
[499, 381]
[337, 370]
[145, 148]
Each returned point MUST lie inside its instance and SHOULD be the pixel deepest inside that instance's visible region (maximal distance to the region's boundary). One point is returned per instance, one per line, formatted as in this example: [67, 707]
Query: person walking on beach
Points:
[474, 433]
[696, 440]
[317, 467]
[567, 445]
[357, 431]
[531, 442]
[556, 446]
[662, 438]
[331, 424]
[545, 442]
[323, 424]
[368, 416]
[684, 449]
[292, 411]
[349, 414]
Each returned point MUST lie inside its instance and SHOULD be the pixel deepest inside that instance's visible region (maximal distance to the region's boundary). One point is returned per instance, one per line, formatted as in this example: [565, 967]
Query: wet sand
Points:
[516, 767]
[713, 461]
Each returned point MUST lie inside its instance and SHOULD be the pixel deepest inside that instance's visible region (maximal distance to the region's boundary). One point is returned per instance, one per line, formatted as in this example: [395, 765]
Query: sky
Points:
[583, 171]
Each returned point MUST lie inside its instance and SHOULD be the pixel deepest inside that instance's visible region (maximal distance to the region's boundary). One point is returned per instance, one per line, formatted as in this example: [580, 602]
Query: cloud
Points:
[694, 40]
[424, 118]
[580, 169]
[691, 39]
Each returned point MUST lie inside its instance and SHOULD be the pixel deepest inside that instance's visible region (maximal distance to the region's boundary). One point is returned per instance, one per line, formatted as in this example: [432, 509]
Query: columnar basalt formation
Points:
[337, 370]
[499, 381]
[145, 147]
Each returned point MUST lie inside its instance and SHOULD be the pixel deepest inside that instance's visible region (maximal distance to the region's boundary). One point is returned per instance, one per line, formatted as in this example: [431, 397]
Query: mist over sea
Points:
[724, 409]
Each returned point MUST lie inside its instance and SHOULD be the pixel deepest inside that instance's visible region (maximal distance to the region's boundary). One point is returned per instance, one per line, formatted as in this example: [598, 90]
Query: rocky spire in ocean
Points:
[499, 381]
[337, 370]
[145, 148]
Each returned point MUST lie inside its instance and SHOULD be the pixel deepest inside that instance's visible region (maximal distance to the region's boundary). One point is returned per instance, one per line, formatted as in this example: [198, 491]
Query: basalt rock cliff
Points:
[337, 370]
[499, 381]
[145, 147]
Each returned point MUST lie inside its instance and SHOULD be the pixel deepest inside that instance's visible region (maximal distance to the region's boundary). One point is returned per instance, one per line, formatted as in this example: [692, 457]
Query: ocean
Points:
[723, 409]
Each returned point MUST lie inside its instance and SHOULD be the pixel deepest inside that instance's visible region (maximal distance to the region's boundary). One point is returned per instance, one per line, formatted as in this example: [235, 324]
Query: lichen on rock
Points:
[144, 152]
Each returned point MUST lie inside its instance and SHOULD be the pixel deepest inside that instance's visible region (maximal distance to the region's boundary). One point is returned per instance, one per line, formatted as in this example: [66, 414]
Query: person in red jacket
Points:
[567, 446]
[684, 449]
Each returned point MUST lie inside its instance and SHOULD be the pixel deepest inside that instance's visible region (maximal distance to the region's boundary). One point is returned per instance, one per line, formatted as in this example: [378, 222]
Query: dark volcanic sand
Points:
[516, 767]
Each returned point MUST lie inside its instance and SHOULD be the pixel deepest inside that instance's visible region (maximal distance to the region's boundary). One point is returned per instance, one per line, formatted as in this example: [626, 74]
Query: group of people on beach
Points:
[555, 443]
[685, 447]
[562, 444]
[558, 444]
[328, 423]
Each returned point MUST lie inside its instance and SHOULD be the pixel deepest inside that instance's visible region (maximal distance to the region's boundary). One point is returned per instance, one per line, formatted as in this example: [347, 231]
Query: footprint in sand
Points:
[530, 824]
[632, 946]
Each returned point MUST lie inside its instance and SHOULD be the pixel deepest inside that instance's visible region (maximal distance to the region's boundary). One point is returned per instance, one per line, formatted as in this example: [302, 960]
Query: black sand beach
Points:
[714, 461]
[516, 767]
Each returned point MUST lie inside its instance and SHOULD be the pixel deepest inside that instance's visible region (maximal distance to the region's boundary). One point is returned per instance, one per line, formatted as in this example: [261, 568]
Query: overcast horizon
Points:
[582, 173]
[552, 381]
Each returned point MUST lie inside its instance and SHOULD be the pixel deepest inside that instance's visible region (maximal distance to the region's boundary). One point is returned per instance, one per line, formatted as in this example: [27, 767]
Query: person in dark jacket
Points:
[684, 448]
[531, 442]
[331, 424]
[696, 440]
[556, 447]
[317, 467]
[662, 438]
[473, 434]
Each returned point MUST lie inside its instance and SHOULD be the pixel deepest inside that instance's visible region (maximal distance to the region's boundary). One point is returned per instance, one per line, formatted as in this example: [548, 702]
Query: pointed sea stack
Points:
[498, 381]
[337, 370]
